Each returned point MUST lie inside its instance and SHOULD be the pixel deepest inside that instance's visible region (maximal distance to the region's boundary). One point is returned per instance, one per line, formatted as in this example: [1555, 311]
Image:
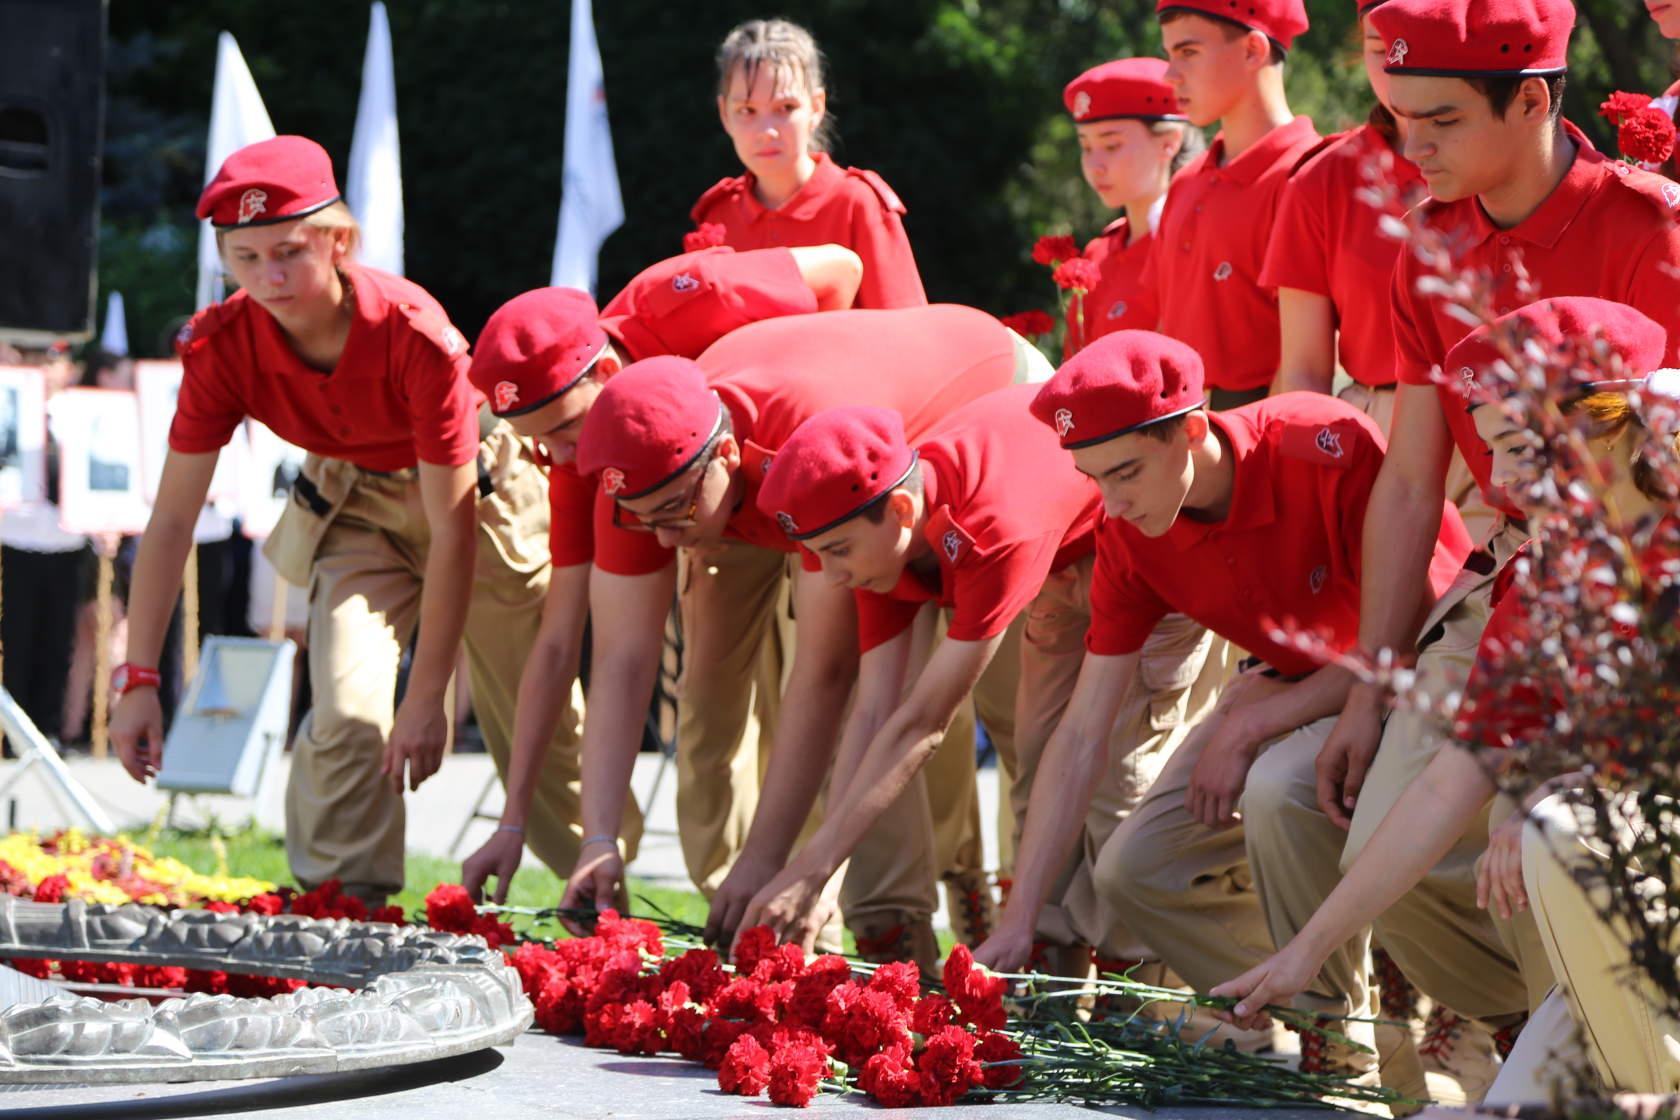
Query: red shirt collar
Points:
[1252, 502]
[806, 201]
[1260, 156]
[1548, 223]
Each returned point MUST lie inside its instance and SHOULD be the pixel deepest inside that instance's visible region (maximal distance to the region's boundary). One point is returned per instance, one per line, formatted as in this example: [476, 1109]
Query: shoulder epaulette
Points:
[889, 197]
[435, 327]
[715, 194]
[1317, 149]
[204, 324]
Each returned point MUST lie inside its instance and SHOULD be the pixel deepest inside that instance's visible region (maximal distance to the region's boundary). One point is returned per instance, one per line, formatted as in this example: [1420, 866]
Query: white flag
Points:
[591, 206]
[114, 338]
[374, 186]
[237, 118]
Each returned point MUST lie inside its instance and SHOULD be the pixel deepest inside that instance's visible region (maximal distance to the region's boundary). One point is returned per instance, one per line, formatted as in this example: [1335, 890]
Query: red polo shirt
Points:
[837, 205]
[1005, 509]
[398, 395]
[684, 304]
[1210, 246]
[1120, 301]
[1327, 242]
[1607, 230]
[923, 362]
[1288, 548]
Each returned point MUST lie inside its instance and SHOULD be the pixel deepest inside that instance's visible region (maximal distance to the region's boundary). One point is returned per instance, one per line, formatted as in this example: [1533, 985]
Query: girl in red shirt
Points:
[773, 104]
[1460, 782]
[1132, 138]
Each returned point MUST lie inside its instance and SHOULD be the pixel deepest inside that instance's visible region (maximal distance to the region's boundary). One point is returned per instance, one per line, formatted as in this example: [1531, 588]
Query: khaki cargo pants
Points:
[359, 546]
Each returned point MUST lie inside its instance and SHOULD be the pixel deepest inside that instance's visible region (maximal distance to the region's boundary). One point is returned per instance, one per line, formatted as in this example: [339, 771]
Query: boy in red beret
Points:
[1242, 520]
[1519, 192]
[992, 522]
[680, 449]
[1225, 63]
[540, 362]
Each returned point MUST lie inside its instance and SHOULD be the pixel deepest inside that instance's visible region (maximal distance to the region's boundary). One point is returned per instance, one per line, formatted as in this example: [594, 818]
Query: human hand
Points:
[417, 741]
[597, 881]
[1008, 948]
[499, 856]
[1499, 874]
[734, 895]
[136, 731]
[793, 905]
[1221, 773]
[1346, 756]
[1274, 981]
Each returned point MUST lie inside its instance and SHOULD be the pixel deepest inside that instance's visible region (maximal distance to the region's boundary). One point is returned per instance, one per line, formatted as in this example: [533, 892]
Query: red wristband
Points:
[125, 678]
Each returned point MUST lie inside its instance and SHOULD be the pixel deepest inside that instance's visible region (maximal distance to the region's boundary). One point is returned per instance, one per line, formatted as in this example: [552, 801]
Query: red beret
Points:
[1449, 38]
[270, 181]
[1127, 87]
[1279, 20]
[535, 347]
[1592, 339]
[648, 425]
[832, 466]
[1118, 384]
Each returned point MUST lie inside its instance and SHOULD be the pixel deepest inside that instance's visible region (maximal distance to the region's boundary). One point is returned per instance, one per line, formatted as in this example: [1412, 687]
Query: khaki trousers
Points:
[1194, 894]
[1613, 1009]
[365, 560]
[1181, 670]
[1446, 945]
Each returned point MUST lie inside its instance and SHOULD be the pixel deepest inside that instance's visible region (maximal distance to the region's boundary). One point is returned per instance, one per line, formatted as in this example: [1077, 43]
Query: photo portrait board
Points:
[158, 384]
[100, 481]
[23, 436]
[271, 465]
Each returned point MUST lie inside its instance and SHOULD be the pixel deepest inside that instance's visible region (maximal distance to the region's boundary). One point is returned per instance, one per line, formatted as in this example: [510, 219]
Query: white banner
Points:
[373, 187]
[237, 118]
[591, 206]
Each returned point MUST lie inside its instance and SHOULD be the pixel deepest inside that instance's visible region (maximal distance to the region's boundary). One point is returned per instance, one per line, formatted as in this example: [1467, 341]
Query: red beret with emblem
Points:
[1120, 383]
[1452, 38]
[1363, 7]
[832, 466]
[270, 181]
[535, 347]
[1595, 339]
[1278, 20]
[650, 423]
[1126, 87]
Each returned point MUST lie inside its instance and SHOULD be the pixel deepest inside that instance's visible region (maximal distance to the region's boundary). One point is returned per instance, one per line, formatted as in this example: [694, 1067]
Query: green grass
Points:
[262, 855]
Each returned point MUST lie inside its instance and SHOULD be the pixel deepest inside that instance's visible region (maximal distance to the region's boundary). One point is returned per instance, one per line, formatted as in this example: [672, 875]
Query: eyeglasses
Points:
[622, 519]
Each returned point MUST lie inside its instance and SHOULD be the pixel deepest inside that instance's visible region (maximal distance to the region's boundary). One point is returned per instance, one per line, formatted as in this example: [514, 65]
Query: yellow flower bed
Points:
[118, 870]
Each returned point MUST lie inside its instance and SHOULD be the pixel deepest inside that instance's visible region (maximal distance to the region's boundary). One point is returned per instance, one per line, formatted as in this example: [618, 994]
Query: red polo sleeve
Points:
[432, 378]
[571, 517]
[890, 276]
[881, 618]
[1412, 361]
[1297, 256]
[624, 552]
[208, 408]
[991, 590]
[1123, 608]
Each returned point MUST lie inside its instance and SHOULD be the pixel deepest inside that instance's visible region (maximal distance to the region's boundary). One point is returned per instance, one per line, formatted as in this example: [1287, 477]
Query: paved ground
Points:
[541, 1076]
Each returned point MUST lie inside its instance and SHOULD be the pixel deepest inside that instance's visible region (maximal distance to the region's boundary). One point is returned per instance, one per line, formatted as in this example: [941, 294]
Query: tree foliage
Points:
[957, 103]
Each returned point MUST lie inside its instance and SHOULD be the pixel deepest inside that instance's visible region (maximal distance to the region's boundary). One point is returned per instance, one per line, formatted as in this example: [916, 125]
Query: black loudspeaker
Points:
[52, 107]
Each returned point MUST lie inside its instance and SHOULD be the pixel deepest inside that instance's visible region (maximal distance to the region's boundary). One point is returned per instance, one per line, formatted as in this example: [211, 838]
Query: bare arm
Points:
[421, 730]
[137, 721]
[825, 667]
[832, 272]
[1068, 772]
[895, 754]
[1432, 813]
[544, 687]
[1402, 522]
[1307, 362]
[624, 663]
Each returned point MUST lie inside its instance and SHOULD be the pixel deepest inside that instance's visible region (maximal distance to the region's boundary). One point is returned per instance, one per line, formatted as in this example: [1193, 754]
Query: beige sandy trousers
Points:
[1601, 1008]
[363, 562]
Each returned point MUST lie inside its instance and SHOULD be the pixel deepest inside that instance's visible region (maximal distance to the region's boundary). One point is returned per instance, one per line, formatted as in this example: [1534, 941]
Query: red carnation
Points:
[495, 933]
[890, 1079]
[977, 994]
[746, 1068]
[948, 1067]
[629, 933]
[1029, 324]
[795, 1072]
[930, 1014]
[30, 966]
[993, 1047]
[1620, 104]
[52, 888]
[685, 1031]
[901, 980]
[700, 969]
[1646, 136]
[211, 982]
[448, 908]
[861, 1021]
[720, 1036]
[393, 915]
[1079, 275]
[270, 904]
[559, 1005]
[784, 962]
[808, 1004]
[706, 236]
[221, 907]
[160, 976]
[1052, 250]
[638, 1031]
[751, 947]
